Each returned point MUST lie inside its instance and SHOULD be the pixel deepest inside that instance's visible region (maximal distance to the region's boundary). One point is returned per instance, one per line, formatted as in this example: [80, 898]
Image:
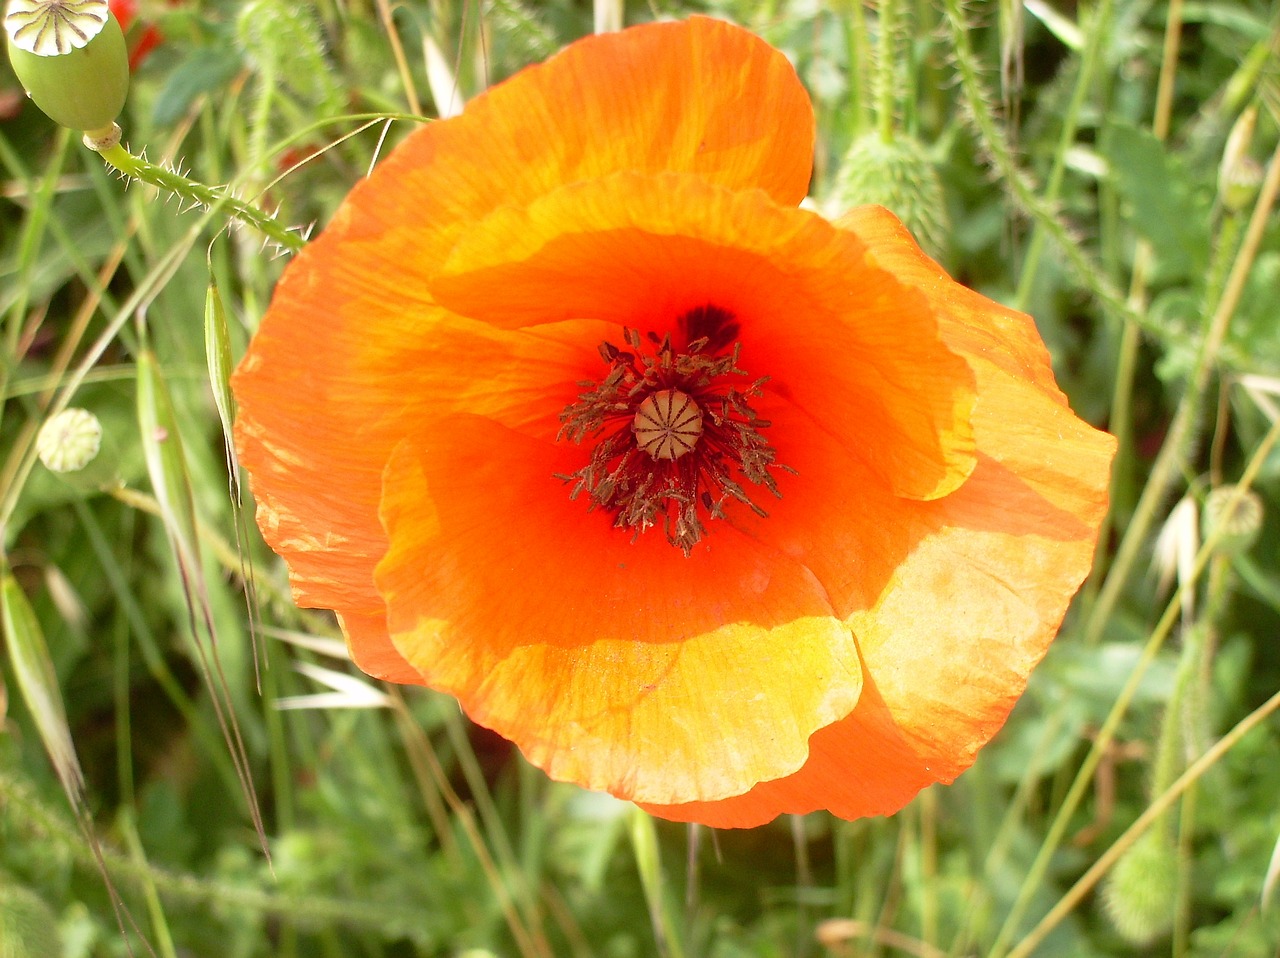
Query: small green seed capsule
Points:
[69, 441]
[71, 58]
[1235, 518]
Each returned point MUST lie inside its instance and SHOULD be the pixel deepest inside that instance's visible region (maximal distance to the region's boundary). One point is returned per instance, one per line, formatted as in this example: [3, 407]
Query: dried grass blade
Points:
[217, 347]
[171, 485]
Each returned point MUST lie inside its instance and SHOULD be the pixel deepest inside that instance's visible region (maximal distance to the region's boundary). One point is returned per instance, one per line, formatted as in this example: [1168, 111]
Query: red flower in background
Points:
[145, 39]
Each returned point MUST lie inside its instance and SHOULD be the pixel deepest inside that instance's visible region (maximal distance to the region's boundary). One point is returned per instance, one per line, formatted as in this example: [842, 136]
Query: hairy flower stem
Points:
[1022, 190]
[213, 197]
[1187, 721]
[886, 63]
[1099, 32]
[855, 26]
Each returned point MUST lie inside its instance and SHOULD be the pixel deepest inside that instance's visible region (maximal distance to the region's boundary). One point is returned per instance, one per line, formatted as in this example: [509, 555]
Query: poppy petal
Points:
[699, 96]
[324, 388]
[319, 407]
[949, 645]
[816, 316]
[616, 664]
[371, 648]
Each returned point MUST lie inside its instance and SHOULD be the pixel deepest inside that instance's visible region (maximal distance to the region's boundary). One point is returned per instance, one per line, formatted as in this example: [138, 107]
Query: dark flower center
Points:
[675, 436]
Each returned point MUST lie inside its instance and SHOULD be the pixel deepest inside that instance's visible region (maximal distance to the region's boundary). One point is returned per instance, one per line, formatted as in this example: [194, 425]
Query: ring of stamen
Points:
[675, 438]
[667, 424]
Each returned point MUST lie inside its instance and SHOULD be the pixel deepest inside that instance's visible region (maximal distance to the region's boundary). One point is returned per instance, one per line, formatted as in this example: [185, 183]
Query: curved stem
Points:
[1099, 31]
[213, 197]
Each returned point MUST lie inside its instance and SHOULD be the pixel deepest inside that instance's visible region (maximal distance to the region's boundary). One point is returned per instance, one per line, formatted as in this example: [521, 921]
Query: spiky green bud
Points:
[71, 58]
[1141, 890]
[899, 175]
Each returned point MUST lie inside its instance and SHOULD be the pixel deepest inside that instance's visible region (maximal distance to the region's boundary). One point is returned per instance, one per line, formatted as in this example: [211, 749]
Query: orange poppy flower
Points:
[695, 496]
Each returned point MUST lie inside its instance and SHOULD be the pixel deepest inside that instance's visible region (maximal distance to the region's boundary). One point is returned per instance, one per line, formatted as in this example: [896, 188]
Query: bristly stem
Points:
[1099, 30]
[1021, 189]
[213, 197]
[886, 62]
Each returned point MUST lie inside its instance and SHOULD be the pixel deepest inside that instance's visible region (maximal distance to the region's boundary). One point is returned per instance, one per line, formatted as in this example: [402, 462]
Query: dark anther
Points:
[710, 323]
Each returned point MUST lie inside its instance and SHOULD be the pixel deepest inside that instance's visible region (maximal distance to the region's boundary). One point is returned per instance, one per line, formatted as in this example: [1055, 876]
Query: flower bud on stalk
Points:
[71, 58]
[1239, 174]
[1238, 515]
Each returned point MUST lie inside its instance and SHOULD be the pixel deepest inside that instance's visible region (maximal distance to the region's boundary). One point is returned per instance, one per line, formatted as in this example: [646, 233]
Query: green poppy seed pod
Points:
[1239, 517]
[69, 441]
[71, 58]
[900, 176]
[1141, 889]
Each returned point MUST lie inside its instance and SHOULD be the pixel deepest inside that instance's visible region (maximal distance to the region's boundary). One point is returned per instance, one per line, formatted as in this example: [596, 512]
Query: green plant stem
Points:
[1099, 32]
[855, 21]
[159, 925]
[1186, 859]
[1098, 869]
[1169, 460]
[397, 50]
[668, 940]
[1198, 655]
[1130, 337]
[1021, 189]
[212, 197]
[886, 61]
[1102, 741]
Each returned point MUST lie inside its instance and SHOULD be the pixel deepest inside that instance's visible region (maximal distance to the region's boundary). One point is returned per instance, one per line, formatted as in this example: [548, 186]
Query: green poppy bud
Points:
[1142, 888]
[71, 58]
[899, 175]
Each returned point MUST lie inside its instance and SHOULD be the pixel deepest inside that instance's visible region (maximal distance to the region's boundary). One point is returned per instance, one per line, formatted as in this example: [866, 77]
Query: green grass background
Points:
[1063, 157]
